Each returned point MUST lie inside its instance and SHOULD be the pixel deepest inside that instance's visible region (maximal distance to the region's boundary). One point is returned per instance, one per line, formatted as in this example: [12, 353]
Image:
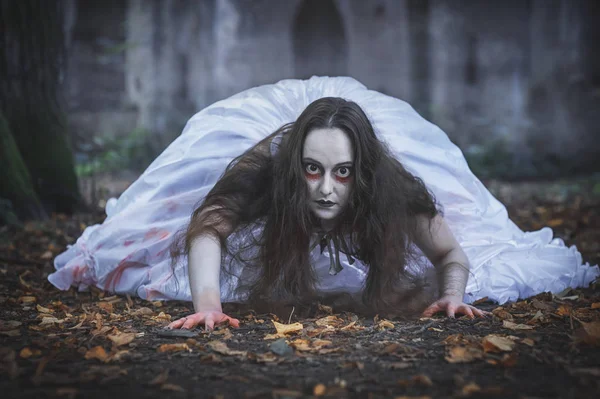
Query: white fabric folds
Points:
[129, 252]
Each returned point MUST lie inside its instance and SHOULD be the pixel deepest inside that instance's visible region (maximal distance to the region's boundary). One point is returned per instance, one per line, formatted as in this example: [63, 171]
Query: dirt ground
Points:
[96, 345]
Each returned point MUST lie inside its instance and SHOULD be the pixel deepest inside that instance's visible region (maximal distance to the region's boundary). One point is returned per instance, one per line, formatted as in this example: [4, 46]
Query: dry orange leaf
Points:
[172, 387]
[470, 389]
[319, 390]
[26, 353]
[97, 352]
[589, 333]
[383, 324]
[222, 348]
[121, 339]
[160, 378]
[515, 326]
[463, 354]
[595, 305]
[174, 348]
[287, 328]
[502, 314]
[42, 309]
[528, 341]
[563, 310]
[555, 222]
[329, 321]
[496, 343]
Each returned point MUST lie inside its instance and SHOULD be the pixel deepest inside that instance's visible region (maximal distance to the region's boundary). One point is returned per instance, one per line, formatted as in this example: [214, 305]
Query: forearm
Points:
[453, 273]
[204, 267]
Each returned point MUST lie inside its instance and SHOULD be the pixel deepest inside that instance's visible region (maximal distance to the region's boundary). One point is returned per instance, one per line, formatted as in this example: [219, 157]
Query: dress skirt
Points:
[129, 252]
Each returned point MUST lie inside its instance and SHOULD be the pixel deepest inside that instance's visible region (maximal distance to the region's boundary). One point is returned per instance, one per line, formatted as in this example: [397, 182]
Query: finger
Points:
[478, 312]
[467, 310]
[209, 323]
[189, 323]
[450, 312]
[431, 310]
[176, 323]
[233, 322]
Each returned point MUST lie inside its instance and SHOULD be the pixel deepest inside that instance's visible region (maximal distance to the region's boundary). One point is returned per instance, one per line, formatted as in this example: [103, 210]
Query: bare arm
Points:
[443, 250]
[212, 225]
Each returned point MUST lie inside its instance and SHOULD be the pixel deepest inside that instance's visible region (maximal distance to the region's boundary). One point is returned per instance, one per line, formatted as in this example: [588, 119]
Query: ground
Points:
[95, 345]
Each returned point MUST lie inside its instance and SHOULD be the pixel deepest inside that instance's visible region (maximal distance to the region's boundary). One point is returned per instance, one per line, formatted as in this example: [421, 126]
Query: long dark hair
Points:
[269, 190]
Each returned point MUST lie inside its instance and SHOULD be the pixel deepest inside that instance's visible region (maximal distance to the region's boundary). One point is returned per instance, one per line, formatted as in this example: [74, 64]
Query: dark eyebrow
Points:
[348, 163]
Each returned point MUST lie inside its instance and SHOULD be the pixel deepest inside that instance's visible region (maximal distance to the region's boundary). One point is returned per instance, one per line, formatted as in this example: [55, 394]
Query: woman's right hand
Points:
[208, 318]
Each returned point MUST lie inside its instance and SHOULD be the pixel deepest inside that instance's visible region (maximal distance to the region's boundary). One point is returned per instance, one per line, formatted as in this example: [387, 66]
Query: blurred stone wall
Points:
[514, 73]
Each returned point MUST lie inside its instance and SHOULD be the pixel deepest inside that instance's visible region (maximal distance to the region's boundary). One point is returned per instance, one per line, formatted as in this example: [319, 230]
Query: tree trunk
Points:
[30, 100]
[16, 185]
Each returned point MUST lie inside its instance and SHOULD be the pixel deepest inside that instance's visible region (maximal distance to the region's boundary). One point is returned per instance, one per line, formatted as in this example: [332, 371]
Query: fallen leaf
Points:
[564, 310]
[502, 314]
[352, 327]
[509, 359]
[385, 324]
[142, 312]
[51, 320]
[285, 393]
[106, 306]
[47, 255]
[69, 392]
[224, 333]
[542, 305]
[555, 222]
[595, 305]
[422, 380]
[287, 328]
[325, 308]
[160, 378]
[470, 389]
[399, 365]
[515, 326]
[9, 325]
[174, 348]
[333, 321]
[27, 299]
[589, 333]
[97, 352]
[528, 341]
[319, 390]
[172, 387]
[122, 338]
[162, 317]
[302, 345]
[496, 343]
[463, 354]
[11, 333]
[268, 357]
[27, 352]
[221, 347]
[42, 309]
[319, 343]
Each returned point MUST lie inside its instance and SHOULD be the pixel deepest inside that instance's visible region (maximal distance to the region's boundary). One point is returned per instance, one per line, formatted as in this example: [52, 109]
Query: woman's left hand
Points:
[452, 305]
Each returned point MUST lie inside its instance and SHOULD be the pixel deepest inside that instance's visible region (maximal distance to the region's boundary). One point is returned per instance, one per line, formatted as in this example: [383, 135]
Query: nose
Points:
[326, 187]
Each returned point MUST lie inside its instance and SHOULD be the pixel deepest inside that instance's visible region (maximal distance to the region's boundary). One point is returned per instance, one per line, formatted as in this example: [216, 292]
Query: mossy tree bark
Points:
[31, 72]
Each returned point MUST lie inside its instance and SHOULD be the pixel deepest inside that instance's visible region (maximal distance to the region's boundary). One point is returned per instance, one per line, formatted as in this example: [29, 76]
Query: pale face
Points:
[329, 171]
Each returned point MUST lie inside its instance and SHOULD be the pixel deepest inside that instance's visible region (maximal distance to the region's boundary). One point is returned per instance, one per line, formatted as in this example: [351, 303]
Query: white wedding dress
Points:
[129, 252]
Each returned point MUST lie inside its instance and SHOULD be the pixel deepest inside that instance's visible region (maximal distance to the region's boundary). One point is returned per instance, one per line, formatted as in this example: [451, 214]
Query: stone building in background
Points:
[514, 83]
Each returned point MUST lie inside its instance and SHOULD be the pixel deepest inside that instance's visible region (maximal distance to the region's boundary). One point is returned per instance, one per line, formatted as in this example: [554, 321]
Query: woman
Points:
[323, 178]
